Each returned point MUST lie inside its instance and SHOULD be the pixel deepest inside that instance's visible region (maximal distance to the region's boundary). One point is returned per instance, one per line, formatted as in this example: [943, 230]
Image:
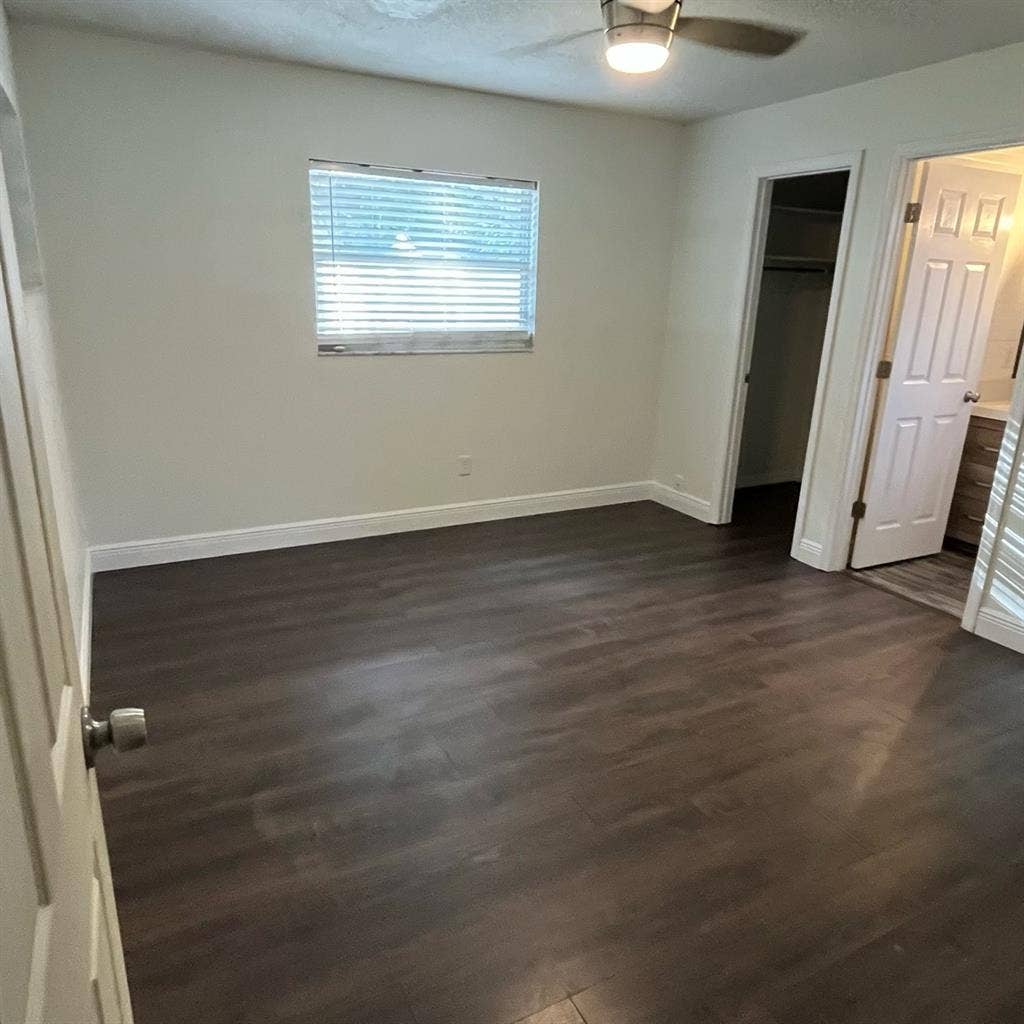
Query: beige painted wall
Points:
[174, 229]
[719, 159]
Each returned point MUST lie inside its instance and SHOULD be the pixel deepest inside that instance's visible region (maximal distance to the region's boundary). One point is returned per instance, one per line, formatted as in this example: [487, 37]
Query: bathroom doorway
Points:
[946, 380]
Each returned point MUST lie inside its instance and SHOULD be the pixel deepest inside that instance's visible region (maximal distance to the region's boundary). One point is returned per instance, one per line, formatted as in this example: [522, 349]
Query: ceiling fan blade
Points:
[744, 36]
[548, 44]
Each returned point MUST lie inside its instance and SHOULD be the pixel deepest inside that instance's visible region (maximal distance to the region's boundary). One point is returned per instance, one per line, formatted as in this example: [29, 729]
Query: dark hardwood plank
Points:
[610, 766]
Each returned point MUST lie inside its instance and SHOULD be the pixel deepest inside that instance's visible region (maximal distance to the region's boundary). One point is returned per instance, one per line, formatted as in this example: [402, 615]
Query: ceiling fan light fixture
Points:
[637, 41]
[636, 57]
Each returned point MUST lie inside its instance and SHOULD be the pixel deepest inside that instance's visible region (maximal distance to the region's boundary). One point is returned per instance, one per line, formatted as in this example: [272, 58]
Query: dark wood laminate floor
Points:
[610, 766]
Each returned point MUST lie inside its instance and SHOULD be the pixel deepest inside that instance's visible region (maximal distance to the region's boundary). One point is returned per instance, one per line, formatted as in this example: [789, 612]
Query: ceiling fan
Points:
[638, 34]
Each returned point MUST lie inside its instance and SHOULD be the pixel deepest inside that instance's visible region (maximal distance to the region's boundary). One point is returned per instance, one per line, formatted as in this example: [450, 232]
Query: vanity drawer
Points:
[965, 527]
[984, 438]
[974, 481]
[967, 513]
[970, 504]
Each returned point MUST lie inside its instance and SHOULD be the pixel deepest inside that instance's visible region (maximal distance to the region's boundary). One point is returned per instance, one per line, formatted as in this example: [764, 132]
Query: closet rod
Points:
[810, 210]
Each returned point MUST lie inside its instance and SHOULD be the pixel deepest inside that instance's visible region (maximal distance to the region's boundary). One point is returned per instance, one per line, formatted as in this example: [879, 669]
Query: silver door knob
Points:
[125, 729]
[972, 396]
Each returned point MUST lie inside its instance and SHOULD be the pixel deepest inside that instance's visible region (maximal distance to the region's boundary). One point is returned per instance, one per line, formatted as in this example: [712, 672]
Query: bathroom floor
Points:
[938, 581]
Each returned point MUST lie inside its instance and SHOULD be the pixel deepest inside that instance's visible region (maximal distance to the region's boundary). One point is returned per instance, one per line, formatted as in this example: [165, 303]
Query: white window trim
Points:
[424, 342]
[428, 342]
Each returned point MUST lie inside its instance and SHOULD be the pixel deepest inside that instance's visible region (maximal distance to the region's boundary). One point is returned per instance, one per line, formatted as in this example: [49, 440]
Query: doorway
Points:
[805, 216]
[946, 380]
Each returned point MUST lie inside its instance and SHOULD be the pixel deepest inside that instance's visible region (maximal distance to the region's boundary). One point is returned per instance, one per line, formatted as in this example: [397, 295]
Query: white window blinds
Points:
[415, 261]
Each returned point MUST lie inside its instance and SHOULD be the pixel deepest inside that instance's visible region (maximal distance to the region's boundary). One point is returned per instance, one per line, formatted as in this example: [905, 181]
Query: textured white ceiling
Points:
[467, 43]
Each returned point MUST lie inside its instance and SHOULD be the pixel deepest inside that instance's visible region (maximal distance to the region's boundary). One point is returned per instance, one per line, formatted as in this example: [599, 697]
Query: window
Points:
[417, 261]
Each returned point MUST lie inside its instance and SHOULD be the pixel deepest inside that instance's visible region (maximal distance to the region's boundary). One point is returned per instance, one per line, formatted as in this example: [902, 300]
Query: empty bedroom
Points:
[511, 513]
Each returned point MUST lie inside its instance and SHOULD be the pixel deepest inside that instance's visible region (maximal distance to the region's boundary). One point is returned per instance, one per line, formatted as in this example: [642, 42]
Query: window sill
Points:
[416, 345]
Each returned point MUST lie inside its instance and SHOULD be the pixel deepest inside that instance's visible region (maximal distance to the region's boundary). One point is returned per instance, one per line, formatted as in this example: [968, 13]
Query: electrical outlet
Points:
[465, 465]
[679, 483]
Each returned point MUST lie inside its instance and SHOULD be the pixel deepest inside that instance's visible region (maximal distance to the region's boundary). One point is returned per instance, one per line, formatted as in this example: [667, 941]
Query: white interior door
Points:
[60, 946]
[952, 277]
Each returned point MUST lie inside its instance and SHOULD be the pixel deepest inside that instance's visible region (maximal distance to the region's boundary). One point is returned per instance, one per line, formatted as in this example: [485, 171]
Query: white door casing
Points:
[60, 945]
[951, 282]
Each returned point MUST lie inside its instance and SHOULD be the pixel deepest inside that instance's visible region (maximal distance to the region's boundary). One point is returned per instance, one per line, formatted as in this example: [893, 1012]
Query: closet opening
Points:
[791, 315]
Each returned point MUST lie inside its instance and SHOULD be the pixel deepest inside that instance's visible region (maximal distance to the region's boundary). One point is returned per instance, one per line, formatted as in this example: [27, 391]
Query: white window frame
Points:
[430, 342]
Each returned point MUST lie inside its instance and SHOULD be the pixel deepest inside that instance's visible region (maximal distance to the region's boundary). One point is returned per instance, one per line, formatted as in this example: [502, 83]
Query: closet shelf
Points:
[800, 263]
[809, 211]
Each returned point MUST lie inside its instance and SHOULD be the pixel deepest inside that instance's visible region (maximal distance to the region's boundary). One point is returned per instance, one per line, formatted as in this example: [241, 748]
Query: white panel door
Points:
[60, 947]
[952, 278]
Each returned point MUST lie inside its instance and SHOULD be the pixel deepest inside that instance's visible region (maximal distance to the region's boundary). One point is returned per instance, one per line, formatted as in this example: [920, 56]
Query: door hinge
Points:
[912, 214]
[884, 371]
[746, 378]
[859, 510]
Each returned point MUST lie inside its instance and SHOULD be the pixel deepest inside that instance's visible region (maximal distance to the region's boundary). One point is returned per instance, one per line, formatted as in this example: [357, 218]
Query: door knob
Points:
[125, 729]
[972, 396]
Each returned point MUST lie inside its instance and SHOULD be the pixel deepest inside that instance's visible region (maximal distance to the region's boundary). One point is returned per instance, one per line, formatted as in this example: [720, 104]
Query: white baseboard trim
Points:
[688, 504]
[811, 553]
[320, 531]
[1000, 628]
